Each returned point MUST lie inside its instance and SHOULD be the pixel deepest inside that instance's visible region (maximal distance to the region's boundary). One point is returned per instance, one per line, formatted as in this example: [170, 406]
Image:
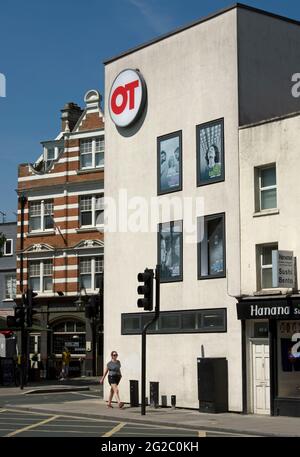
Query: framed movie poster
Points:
[169, 163]
[210, 152]
[170, 251]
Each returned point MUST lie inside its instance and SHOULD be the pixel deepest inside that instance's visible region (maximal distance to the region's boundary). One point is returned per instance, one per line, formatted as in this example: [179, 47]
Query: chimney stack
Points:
[71, 112]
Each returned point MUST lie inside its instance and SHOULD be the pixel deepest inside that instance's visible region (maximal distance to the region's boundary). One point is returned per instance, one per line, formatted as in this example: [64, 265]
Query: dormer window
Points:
[50, 156]
[92, 153]
[51, 153]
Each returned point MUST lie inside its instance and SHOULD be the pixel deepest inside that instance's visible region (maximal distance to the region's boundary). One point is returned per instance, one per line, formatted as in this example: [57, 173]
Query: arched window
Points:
[70, 334]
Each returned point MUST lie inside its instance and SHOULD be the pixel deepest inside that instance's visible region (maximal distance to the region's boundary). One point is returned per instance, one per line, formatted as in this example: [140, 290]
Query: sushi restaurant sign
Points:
[283, 274]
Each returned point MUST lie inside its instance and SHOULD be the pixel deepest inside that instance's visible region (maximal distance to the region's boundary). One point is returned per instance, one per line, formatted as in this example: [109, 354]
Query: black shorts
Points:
[114, 379]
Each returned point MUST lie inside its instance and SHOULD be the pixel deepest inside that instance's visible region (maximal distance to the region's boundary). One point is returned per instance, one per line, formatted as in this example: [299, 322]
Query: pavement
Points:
[93, 406]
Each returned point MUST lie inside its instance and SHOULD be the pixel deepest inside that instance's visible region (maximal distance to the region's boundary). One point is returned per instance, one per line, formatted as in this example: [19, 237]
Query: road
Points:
[15, 422]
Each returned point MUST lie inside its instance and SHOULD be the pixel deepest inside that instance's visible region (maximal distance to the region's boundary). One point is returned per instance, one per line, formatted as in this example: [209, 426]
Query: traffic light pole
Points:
[144, 332]
[23, 201]
[23, 358]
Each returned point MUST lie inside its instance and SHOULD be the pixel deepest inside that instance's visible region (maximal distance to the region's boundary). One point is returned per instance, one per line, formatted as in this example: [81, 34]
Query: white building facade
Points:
[199, 85]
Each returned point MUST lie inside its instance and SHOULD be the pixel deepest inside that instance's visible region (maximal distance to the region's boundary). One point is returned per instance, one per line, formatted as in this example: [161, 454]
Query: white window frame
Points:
[41, 275]
[93, 270]
[262, 189]
[42, 216]
[93, 152]
[57, 150]
[13, 293]
[5, 253]
[262, 266]
[93, 210]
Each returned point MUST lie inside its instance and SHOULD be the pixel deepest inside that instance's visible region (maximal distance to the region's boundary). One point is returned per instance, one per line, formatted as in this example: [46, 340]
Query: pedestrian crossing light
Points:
[146, 290]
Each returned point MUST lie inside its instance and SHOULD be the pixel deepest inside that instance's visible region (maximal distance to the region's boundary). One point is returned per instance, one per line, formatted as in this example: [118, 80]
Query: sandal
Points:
[121, 404]
[109, 406]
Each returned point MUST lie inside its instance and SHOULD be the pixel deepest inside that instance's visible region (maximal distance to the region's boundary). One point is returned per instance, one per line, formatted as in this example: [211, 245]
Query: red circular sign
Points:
[127, 97]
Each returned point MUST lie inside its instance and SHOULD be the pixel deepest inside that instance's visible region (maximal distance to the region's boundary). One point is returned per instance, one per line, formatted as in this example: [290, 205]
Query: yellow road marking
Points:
[29, 427]
[115, 429]
[201, 434]
[25, 411]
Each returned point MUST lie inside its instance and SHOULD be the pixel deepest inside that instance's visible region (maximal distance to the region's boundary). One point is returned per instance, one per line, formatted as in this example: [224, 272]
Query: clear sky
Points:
[51, 52]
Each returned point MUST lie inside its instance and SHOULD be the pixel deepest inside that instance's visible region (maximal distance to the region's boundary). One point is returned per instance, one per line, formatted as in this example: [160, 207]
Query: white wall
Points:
[274, 142]
[191, 78]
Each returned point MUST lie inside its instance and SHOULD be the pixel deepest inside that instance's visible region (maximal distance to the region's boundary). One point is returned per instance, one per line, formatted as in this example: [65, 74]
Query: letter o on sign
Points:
[127, 98]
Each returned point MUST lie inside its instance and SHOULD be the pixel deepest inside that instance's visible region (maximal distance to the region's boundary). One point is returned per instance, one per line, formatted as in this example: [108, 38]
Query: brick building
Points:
[60, 239]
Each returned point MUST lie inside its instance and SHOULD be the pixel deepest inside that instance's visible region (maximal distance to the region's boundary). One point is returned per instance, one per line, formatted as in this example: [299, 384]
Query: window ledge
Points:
[273, 291]
[46, 233]
[90, 229]
[266, 212]
[90, 170]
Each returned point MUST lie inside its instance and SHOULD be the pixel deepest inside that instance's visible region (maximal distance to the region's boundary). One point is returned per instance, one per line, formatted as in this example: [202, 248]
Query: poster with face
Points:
[169, 163]
[210, 152]
[170, 251]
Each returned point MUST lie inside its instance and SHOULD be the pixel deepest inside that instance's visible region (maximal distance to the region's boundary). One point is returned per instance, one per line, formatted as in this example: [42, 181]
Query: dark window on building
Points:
[211, 246]
[191, 321]
[70, 334]
[75, 345]
[170, 246]
[212, 319]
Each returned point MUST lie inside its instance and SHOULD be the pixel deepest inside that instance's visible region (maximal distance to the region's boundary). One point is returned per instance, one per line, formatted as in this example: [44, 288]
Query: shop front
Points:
[271, 354]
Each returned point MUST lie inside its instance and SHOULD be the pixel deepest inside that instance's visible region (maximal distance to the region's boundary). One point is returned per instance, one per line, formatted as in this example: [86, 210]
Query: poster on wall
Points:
[170, 251]
[210, 152]
[169, 163]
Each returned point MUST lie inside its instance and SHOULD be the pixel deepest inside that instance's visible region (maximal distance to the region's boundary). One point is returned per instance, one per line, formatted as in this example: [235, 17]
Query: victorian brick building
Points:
[60, 239]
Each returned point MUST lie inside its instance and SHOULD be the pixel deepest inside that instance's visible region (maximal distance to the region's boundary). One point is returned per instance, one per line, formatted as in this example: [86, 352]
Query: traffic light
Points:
[28, 300]
[20, 316]
[146, 290]
[92, 306]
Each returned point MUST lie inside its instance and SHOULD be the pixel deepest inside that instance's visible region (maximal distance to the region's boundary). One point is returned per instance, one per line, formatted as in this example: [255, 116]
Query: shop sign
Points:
[127, 98]
[283, 269]
[265, 310]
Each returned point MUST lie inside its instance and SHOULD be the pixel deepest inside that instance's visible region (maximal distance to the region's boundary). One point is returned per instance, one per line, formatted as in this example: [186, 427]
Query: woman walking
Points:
[113, 368]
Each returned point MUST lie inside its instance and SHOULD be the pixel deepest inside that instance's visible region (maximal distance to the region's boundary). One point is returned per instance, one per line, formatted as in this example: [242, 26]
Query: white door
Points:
[261, 377]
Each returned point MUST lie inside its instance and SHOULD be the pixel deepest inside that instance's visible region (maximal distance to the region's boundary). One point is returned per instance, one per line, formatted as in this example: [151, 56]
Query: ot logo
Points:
[127, 98]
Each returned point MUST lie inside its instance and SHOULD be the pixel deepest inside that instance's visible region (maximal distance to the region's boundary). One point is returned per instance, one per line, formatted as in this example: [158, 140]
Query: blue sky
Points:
[52, 52]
